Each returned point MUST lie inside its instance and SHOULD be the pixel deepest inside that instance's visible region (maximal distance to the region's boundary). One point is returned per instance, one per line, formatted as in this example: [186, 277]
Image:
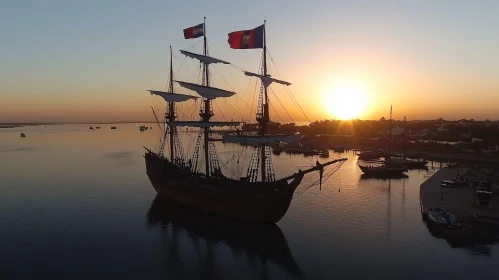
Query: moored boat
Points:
[369, 155]
[410, 163]
[324, 153]
[339, 148]
[440, 216]
[382, 170]
[387, 169]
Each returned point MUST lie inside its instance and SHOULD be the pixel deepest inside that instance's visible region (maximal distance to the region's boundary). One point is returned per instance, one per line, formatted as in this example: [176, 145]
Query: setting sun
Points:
[346, 101]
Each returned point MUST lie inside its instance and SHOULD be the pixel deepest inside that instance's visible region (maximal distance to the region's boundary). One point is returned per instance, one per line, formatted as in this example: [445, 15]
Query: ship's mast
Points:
[264, 118]
[405, 141]
[390, 151]
[206, 114]
[170, 115]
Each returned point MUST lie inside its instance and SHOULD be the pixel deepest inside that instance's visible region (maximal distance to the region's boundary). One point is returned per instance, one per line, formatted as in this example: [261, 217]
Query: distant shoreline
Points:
[10, 126]
[13, 125]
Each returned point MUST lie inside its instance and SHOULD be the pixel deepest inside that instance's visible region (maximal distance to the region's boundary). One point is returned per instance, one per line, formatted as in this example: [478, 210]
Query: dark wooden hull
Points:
[253, 201]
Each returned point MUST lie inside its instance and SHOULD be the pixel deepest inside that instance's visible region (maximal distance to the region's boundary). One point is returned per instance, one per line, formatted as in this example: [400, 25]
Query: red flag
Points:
[194, 31]
[247, 39]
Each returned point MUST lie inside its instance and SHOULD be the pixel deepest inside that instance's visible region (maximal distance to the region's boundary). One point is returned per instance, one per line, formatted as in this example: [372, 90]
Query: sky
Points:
[92, 61]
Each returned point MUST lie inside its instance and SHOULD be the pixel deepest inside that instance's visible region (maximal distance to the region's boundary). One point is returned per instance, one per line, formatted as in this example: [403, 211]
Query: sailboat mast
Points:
[265, 104]
[207, 113]
[171, 109]
[390, 151]
[405, 141]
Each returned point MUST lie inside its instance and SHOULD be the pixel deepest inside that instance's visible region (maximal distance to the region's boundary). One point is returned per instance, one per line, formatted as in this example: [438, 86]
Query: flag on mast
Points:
[194, 31]
[247, 39]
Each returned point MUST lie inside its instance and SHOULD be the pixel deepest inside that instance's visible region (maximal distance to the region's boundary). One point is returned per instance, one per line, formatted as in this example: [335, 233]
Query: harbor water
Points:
[76, 203]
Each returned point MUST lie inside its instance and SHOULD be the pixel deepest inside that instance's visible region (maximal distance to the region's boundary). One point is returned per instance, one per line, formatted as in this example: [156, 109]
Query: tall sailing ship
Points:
[259, 196]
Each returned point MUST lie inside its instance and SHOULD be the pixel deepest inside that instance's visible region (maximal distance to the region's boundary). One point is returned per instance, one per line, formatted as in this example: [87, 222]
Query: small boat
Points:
[91, 128]
[441, 217]
[97, 127]
[142, 128]
[369, 155]
[387, 169]
[23, 135]
[339, 148]
[410, 163]
[403, 160]
[278, 148]
[113, 127]
[324, 153]
[382, 170]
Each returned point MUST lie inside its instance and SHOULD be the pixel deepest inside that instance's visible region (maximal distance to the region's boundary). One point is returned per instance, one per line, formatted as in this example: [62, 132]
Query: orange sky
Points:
[65, 62]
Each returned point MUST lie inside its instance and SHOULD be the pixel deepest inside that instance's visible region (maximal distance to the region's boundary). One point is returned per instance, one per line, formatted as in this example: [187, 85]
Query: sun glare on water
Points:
[346, 101]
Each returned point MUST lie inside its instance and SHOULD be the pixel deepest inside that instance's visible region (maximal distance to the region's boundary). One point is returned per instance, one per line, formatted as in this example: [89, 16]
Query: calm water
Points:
[77, 204]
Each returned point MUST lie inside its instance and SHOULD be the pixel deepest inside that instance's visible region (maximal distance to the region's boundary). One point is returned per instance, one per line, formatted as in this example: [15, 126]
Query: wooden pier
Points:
[459, 200]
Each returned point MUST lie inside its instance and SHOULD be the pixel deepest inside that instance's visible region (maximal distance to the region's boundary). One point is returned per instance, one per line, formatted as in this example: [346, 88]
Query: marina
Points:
[477, 221]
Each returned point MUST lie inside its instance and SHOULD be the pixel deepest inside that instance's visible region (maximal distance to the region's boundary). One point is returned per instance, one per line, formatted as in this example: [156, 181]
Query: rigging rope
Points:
[223, 78]
[325, 178]
[216, 104]
[275, 111]
[282, 105]
[181, 63]
[232, 109]
[288, 90]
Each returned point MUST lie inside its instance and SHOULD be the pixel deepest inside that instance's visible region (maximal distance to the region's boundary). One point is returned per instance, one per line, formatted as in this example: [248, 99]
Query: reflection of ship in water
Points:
[257, 242]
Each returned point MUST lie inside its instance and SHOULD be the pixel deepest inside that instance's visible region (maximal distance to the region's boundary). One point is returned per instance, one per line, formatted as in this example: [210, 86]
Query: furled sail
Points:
[203, 124]
[203, 58]
[205, 91]
[258, 140]
[173, 97]
[267, 80]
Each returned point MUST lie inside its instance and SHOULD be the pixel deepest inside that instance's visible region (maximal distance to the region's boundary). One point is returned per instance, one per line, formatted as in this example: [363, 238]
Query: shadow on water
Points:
[257, 242]
[477, 241]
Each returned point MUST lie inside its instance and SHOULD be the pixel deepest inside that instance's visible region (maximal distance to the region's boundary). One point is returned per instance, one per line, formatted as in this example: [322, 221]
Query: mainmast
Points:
[205, 112]
[207, 93]
[170, 114]
[263, 118]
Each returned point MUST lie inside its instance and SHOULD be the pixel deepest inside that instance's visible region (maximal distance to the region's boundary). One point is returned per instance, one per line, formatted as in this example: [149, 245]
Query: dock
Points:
[459, 200]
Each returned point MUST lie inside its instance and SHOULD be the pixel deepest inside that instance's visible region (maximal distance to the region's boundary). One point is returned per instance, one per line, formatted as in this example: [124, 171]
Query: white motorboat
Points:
[442, 217]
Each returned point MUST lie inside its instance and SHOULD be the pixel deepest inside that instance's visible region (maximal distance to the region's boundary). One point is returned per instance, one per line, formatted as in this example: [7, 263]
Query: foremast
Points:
[170, 134]
[175, 150]
[170, 112]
